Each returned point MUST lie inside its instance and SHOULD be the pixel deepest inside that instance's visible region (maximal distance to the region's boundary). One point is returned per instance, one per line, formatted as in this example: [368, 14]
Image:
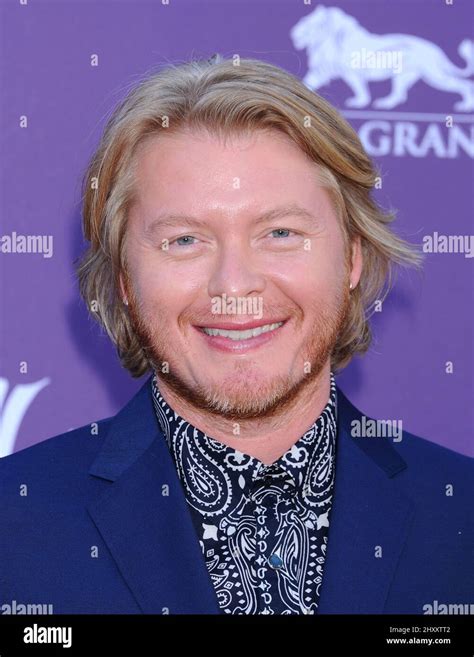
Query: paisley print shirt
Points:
[262, 528]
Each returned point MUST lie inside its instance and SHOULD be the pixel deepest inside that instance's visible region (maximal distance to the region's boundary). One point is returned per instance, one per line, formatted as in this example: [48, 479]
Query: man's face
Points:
[200, 255]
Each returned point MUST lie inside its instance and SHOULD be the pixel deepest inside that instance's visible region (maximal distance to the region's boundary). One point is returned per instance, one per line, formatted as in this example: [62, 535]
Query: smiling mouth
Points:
[236, 335]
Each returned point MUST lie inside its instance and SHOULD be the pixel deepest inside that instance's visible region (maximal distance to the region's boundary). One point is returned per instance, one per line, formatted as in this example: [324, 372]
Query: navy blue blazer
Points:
[97, 522]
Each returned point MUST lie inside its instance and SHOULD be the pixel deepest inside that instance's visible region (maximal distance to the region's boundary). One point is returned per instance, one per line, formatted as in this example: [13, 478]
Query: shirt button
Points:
[275, 561]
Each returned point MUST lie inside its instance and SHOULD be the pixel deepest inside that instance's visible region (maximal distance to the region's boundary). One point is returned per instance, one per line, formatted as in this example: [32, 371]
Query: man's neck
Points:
[266, 439]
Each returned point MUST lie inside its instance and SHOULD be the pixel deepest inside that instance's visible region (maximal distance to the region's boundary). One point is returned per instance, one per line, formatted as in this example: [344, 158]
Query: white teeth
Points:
[242, 335]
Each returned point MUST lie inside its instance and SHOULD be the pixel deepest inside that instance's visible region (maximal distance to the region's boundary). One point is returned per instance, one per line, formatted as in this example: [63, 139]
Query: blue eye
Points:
[281, 230]
[185, 237]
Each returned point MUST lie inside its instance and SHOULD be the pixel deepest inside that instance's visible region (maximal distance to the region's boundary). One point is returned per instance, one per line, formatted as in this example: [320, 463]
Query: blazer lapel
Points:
[144, 519]
[369, 521]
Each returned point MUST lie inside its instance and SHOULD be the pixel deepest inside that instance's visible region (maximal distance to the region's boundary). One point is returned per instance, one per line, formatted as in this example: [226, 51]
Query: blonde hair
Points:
[224, 98]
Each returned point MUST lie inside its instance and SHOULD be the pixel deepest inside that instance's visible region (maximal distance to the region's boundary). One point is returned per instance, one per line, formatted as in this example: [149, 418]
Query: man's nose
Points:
[236, 273]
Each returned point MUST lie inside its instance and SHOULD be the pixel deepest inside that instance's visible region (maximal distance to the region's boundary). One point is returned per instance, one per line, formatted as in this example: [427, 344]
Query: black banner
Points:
[239, 636]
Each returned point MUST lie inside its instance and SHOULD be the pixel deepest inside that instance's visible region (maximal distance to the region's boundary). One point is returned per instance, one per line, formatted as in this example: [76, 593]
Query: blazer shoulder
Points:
[418, 463]
[414, 449]
[440, 479]
[432, 456]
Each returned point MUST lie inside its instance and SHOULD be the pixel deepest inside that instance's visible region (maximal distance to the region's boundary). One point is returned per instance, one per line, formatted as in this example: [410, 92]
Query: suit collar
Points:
[131, 433]
[378, 450]
[144, 519]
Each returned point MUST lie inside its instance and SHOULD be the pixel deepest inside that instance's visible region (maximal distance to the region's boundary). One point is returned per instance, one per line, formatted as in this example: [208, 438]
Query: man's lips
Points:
[241, 338]
[241, 326]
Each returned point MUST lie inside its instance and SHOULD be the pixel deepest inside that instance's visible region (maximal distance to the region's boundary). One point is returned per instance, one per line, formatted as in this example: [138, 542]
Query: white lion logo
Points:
[332, 38]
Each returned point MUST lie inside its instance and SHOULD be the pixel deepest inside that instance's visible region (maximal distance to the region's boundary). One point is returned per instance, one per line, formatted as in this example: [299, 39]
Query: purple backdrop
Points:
[58, 371]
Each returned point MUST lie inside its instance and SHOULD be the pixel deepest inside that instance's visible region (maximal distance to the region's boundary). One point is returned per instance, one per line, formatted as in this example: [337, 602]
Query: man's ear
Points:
[356, 261]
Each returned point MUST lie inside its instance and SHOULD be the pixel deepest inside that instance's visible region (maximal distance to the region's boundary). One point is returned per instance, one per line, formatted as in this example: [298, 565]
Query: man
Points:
[235, 252]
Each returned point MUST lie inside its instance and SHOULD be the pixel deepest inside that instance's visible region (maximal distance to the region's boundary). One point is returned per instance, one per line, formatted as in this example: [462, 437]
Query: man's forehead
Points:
[186, 144]
[302, 197]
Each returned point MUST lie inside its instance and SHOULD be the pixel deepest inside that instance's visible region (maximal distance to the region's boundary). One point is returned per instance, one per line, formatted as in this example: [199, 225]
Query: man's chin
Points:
[239, 397]
[241, 404]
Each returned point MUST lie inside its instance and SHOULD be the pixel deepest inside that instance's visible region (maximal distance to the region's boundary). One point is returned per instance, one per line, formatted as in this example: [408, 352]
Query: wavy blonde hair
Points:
[225, 97]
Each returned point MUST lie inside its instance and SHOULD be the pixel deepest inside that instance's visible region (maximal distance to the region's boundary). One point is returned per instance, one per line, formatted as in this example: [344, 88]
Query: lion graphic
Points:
[332, 38]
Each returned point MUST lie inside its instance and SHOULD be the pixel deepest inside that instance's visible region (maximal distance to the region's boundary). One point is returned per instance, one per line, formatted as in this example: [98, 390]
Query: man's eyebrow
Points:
[173, 220]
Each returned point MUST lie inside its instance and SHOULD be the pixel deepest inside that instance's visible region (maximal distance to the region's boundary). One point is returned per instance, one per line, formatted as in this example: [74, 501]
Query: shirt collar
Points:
[303, 466]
